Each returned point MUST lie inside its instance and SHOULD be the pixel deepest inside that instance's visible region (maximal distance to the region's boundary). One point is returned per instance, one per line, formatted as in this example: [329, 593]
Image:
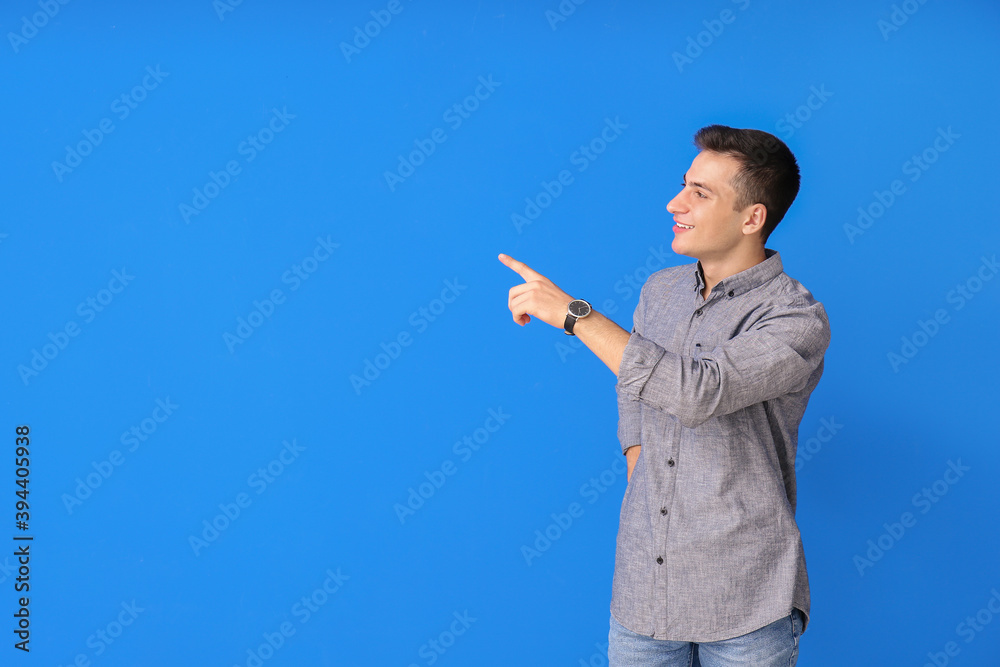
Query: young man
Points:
[712, 383]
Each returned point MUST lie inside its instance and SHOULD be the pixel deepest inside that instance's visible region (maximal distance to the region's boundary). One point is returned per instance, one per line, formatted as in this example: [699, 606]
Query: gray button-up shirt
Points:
[714, 390]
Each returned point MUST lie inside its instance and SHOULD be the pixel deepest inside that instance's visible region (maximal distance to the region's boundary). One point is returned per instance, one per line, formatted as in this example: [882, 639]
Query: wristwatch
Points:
[578, 308]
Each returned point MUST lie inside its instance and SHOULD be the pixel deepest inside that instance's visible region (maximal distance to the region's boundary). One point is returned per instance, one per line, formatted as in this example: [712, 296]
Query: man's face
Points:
[705, 203]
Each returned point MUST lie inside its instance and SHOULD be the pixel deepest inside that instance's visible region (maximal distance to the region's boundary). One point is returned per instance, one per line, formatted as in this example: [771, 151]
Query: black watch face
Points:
[579, 308]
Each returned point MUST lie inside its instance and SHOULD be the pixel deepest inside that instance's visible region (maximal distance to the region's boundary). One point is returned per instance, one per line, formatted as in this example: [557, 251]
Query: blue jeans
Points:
[774, 645]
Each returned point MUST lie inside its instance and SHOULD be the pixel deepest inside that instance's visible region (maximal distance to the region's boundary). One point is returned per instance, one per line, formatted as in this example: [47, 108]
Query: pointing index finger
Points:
[521, 268]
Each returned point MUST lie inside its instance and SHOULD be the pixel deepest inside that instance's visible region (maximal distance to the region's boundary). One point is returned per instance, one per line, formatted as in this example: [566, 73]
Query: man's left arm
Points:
[775, 356]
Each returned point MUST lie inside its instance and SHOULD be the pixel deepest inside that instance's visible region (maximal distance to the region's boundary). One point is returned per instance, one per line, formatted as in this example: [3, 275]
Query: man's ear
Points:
[755, 220]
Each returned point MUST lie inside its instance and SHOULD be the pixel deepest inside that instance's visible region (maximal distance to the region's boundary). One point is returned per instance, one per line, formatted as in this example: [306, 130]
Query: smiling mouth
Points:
[682, 226]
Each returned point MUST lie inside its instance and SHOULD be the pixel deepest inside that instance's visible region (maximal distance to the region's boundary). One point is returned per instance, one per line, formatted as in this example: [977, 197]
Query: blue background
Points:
[364, 446]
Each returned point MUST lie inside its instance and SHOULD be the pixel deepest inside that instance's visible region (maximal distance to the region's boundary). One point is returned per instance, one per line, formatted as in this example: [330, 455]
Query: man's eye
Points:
[697, 192]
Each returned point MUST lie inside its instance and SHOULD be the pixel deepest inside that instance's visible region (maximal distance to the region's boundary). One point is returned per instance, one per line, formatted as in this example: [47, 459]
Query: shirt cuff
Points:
[638, 361]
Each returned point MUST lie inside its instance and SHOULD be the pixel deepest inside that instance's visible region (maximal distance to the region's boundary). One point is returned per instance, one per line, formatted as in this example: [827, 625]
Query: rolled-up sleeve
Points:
[629, 419]
[629, 409]
[776, 356]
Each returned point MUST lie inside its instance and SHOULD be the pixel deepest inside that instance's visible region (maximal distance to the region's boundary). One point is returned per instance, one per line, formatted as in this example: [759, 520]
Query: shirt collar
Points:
[745, 280]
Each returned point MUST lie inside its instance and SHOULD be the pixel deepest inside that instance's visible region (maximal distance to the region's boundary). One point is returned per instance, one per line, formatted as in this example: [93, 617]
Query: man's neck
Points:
[715, 270]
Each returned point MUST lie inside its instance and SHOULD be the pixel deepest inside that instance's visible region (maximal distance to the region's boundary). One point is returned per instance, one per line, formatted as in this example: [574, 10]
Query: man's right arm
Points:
[630, 412]
[631, 456]
[629, 428]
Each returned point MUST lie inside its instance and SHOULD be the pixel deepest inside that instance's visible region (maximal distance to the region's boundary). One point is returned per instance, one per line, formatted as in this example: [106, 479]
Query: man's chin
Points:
[681, 248]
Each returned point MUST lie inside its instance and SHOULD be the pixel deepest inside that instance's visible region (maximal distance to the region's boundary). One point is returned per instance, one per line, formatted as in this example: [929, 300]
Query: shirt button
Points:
[659, 559]
[670, 462]
[698, 312]
[732, 292]
[663, 510]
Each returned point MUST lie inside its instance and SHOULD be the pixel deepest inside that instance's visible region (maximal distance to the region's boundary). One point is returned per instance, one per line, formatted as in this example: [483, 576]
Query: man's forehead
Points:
[713, 169]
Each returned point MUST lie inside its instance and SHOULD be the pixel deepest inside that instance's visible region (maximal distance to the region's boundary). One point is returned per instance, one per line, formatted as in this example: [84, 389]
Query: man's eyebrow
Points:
[696, 184]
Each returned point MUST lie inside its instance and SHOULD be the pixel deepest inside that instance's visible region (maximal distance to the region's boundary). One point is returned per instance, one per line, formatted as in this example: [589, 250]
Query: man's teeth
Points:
[685, 226]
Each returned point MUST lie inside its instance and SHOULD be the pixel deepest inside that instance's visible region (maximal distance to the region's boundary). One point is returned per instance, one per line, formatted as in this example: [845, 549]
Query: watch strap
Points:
[568, 324]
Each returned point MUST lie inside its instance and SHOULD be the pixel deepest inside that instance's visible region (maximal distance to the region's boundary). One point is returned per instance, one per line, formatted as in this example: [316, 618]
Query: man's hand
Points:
[538, 296]
[631, 456]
